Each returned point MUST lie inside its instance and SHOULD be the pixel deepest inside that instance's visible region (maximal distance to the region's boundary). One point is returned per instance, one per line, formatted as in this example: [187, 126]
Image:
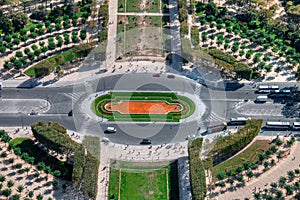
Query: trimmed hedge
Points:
[79, 163]
[86, 166]
[227, 146]
[229, 62]
[242, 70]
[222, 56]
[197, 171]
[54, 137]
[43, 68]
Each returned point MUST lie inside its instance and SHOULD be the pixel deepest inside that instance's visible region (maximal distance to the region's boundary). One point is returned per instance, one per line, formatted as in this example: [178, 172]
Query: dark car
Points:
[70, 114]
[145, 141]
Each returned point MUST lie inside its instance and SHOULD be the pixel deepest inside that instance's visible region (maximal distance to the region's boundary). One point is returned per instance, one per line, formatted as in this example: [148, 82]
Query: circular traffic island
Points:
[143, 106]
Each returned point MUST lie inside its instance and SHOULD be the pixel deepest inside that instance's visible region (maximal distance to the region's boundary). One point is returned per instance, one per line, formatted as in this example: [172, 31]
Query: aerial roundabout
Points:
[140, 106]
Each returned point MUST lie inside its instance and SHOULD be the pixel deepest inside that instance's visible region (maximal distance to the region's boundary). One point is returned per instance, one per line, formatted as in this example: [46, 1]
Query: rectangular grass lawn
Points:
[135, 6]
[134, 184]
[250, 153]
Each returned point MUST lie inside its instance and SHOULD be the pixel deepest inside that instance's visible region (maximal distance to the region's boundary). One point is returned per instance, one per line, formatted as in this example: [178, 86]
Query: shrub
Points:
[229, 145]
[43, 68]
[197, 172]
[242, 70]
[222, 56]
[195, 36]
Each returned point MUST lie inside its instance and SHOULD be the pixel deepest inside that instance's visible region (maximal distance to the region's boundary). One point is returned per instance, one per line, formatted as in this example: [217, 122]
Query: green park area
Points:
[138, 6]
[249, 155]
[141, 35]
[151, 182]
[188, 106]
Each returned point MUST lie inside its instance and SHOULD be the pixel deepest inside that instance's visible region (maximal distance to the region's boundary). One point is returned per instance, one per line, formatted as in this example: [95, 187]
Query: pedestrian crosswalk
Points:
[75, 95]
[197, 90]
[212, 117]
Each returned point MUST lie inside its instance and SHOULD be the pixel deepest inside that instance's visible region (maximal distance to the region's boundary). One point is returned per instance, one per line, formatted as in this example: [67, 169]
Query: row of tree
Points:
[259, 35]
[21, 59]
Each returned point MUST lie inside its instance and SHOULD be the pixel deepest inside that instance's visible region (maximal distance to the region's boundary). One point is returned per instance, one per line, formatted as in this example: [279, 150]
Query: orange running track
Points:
[143, 107]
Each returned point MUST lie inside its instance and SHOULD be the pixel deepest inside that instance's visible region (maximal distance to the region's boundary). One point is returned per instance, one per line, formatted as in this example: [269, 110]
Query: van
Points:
[110, 130]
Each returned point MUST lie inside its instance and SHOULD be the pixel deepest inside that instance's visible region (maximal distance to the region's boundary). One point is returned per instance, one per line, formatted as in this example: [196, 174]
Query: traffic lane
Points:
[21, 93]
[157, 133]
[12, 120]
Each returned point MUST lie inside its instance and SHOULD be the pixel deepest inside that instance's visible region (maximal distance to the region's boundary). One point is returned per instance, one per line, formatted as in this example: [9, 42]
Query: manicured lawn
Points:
[121, 6]
[18, 141]
[134, 6]
[136, 184]
[188, 105]
[250, 154]
[30, 72]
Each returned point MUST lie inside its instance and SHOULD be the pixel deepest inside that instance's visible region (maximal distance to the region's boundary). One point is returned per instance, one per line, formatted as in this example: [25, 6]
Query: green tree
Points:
[278, 142]
[282, 181]
[278, 194]
[289, 189]
[16, 197]
[291, 175]
[2, 178]
[82, 34]
[6, 192]
[7, 26]
[20, 188]
[39, 197]
[257, 196]
[274, 185]
[266, 164]
[11, 161]
[2, 49]
[247, 165]
[30, 194]
[19, 20]
[249, 174]
[211, 9]
[27, 169]
[240, 178]
[10, 184]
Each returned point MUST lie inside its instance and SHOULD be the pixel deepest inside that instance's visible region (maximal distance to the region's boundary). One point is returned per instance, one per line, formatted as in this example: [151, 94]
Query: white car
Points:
[110, 130]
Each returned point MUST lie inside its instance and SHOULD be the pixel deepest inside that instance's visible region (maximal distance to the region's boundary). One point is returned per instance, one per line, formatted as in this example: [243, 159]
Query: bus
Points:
[296, 125]
[239, 120]
[268, 87]
[261, 98]
[216, 128]
[278, 125]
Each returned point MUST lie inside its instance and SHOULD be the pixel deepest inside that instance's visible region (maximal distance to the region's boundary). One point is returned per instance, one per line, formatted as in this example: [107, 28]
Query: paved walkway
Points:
[272, 175]
[112, 32]
[175, 34]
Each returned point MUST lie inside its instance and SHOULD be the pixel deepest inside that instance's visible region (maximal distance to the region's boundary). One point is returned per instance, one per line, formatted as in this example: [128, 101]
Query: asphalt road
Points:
[220, 104]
